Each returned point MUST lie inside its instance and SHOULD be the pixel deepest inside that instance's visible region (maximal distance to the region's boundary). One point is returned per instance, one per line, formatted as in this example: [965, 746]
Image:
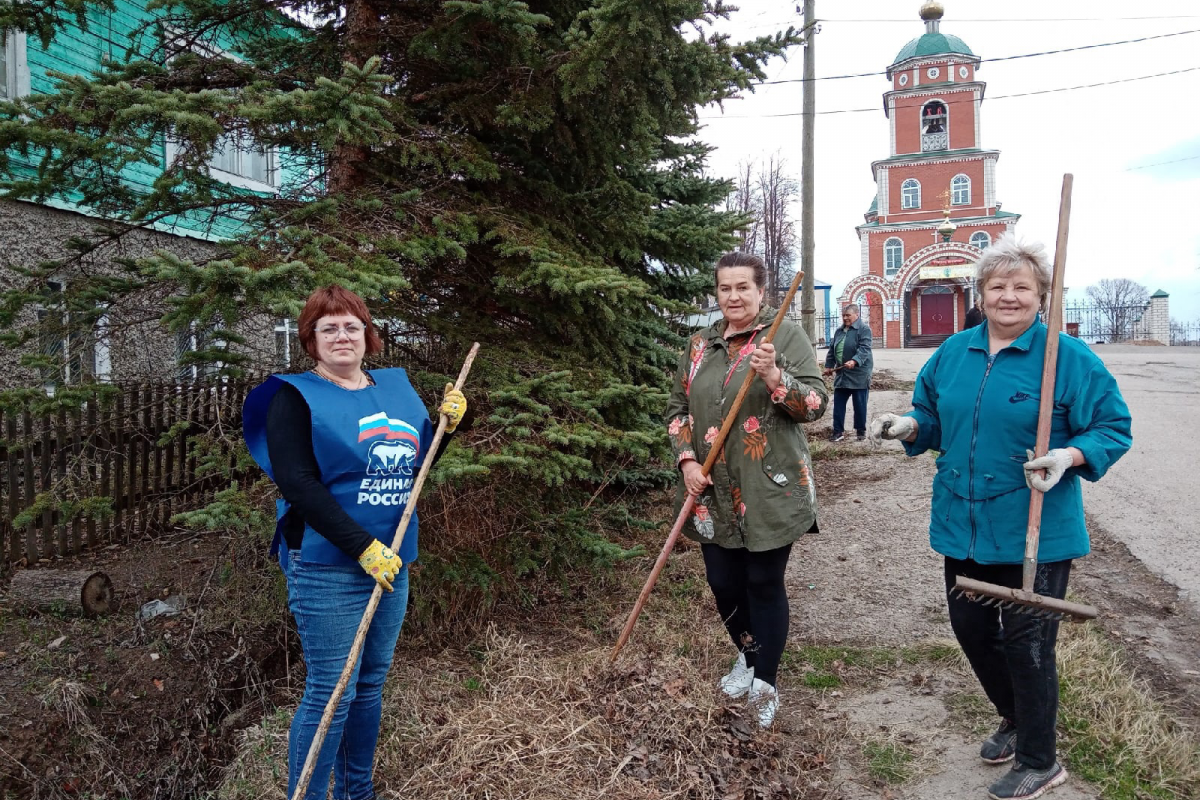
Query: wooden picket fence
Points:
[116, 449]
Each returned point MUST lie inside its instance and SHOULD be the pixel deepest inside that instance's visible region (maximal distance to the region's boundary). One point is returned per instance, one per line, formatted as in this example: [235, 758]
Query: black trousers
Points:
[1012, 654]
[859, 396]
[752, 599]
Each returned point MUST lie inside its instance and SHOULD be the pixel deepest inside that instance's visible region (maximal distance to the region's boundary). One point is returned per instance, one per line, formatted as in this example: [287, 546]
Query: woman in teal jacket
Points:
[976, 403]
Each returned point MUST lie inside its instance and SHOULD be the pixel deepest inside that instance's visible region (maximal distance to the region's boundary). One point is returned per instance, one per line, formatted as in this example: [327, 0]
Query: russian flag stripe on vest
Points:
[381, 425]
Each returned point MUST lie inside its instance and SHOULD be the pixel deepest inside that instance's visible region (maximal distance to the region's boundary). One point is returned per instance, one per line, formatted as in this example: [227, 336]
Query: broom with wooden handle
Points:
[1025, 600]
[310, 762]
[690, 501]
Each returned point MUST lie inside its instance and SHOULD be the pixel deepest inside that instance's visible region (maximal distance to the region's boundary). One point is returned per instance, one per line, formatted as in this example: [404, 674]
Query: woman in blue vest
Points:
[344, 446]
[976, 403]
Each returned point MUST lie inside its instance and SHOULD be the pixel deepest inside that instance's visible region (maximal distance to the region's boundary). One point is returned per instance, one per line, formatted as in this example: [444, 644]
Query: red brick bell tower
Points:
[935, 206]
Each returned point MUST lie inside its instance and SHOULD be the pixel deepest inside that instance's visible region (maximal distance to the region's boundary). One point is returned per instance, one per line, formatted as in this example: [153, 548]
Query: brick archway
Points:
[864, 283]
[874, 314]
[914, 262]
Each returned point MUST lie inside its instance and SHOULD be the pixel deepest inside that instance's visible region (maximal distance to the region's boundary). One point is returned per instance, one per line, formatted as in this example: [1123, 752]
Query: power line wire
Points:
[1029, 20]
[1160, 163]
[971, 100]
[1024, 21]
[999, 58]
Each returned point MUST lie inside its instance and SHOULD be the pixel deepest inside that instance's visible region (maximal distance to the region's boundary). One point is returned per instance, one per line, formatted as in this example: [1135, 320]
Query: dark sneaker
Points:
[862, 436]
[1001, 746]
[1025, 783]
[838, 437]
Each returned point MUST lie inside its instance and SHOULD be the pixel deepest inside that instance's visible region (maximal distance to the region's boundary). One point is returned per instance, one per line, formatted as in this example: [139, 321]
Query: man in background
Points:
[849, 359]
[974, 316]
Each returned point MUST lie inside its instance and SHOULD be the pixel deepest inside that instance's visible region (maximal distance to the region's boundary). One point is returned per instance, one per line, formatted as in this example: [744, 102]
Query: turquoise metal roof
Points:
[931, 44]
[874, 205]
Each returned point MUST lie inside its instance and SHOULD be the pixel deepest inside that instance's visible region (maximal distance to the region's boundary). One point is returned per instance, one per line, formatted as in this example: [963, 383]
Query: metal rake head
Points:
[1008, 605]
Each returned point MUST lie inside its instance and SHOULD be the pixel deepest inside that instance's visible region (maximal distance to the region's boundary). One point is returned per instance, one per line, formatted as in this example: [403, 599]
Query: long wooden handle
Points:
[310, 761]
[1033, 530]
[706, 468]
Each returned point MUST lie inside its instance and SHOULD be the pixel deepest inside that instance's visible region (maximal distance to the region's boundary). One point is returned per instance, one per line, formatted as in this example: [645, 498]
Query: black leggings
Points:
[752, 599]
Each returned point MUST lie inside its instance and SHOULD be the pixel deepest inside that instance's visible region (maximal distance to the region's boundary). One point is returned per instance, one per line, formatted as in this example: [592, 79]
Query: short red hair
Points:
[330, 301]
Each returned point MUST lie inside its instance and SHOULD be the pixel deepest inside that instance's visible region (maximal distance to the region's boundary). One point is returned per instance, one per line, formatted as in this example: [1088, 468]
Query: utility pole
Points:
[807, 178]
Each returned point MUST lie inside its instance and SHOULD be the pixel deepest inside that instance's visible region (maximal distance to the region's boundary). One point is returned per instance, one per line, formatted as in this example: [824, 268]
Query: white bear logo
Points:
[391, 458]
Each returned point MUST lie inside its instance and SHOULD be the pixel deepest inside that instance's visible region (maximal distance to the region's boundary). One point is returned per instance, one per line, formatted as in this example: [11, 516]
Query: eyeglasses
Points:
[330, 332]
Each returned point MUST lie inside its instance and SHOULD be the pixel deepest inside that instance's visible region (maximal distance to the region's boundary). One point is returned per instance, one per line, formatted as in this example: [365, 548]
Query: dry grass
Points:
[1116, 733]
[537, 712]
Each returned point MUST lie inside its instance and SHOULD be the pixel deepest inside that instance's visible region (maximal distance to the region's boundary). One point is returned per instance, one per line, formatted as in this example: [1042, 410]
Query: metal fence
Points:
[1185, 334]
[824, 326]
[1098, 324]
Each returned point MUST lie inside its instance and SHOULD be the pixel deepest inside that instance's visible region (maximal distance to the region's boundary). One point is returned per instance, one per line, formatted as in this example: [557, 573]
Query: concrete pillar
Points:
[1158, 317]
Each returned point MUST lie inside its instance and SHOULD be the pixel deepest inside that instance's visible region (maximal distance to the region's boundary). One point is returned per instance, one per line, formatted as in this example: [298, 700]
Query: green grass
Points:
[821, 680]
[826, 658]
[888, 761]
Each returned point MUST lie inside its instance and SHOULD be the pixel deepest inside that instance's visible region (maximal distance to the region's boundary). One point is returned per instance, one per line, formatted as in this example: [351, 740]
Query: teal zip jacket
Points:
[982, 419]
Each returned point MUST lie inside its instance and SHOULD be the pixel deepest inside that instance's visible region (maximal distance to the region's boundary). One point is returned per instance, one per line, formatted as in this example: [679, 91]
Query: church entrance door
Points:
[937, 314]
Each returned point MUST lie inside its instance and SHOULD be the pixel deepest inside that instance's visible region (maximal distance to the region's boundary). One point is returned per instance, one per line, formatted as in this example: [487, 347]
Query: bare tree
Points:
[1121, 302]
[745, 199]
[778, 192]
[768, 197]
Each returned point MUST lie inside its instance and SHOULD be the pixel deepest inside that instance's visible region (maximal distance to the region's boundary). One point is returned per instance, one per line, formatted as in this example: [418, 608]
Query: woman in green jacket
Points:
[976, 404]
[760, 496]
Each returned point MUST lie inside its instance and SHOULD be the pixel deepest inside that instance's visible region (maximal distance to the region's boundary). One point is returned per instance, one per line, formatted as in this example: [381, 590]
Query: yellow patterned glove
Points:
[454, 405]
[381, 563]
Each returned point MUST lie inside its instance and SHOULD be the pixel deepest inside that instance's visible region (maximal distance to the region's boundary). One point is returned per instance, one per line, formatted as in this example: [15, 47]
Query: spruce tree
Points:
[523, 174]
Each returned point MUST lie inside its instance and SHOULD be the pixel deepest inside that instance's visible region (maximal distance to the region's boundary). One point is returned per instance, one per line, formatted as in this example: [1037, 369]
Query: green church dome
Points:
[931, 44]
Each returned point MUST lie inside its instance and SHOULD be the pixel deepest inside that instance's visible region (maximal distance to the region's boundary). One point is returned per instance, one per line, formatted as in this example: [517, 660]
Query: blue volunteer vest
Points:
[369, 445]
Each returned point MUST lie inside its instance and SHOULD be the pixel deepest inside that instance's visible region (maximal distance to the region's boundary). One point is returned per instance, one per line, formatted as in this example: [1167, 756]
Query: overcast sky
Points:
[1129, 219]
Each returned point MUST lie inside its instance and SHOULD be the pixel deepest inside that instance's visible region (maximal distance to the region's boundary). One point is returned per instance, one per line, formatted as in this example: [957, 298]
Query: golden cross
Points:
[945, 196]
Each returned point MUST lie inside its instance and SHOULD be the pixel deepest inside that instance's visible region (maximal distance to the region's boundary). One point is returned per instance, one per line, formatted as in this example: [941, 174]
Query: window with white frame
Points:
[981, 240]
[236, 160]
[195, 339]
[287, 337]
[910, 193]
[14, 68]
[960, 190]
[74, 350]
[893, 257]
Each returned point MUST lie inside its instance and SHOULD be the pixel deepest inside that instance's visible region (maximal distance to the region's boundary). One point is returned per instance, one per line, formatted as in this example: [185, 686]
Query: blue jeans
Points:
[1012, 654]
[328, 602]
[840, 396]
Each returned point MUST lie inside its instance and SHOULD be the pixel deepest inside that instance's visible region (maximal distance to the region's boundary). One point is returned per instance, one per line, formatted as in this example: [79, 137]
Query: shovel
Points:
[1025, 600]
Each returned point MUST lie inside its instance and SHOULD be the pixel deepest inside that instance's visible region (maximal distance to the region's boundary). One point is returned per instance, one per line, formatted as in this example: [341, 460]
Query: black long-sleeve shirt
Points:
[290, 446]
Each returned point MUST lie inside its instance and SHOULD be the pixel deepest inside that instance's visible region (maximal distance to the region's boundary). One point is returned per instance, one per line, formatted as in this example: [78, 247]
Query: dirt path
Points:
[871, 580]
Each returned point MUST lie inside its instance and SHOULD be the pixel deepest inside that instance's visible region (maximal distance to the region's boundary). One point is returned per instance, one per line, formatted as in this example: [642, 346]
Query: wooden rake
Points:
[1025, 600]
[310, 762]
[706, 468]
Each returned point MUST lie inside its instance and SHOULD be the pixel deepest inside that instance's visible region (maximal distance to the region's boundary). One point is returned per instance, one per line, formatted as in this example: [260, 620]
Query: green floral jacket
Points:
[763, 494]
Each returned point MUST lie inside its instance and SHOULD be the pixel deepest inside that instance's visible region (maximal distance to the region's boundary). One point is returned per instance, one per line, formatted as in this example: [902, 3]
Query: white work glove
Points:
[892, 426]
[1056, 463]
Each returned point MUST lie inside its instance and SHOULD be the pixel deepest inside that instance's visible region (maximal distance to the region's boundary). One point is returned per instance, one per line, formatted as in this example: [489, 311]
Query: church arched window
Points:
[935, 126]
[960, 190]
[910, 193]
[980, 239]
[893, 257]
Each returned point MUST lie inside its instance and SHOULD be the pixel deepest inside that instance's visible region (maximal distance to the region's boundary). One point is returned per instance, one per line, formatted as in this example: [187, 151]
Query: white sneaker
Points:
[738, 681]
[764, 699]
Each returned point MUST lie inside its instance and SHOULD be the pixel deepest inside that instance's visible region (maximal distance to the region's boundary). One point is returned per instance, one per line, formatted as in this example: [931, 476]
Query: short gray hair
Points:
[854, 306]
[1007, 255]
